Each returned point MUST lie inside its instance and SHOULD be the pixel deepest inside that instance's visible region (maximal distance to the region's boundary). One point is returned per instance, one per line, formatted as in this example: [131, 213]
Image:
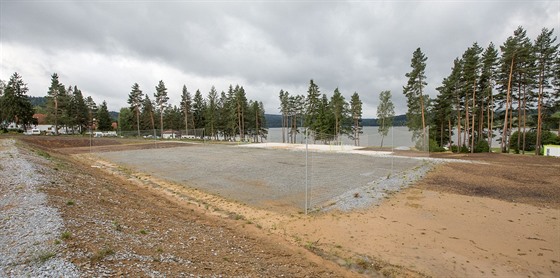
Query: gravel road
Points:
[29, 229]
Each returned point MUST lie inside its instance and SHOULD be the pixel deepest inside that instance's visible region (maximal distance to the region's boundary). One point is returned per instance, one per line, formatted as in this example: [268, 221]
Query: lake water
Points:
[399, 136]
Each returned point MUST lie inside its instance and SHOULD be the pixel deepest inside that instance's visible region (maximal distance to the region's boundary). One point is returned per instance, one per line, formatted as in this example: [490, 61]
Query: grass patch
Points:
[45, 256]
[70, 203]
[66, 235]
[117, 226]
[143, 232]
[101, 254]
[43, 154]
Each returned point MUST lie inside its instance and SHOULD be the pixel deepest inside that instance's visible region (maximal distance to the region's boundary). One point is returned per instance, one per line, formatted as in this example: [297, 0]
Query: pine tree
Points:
[104, 121]
[161, 99]
[147, 116]
[385, 114]
[487, 83]
[283, 96]
[172, 118]
[241, 105]
[14, 102]
[229, 113]
[135, 98]
[75, 114]
[199, 107]
[545, 51]
[312, 106]
[442, 113]
[211, 113]
[325, 123]
[91, 111]
[356, 112]
[513, 70]
[126, 119]
[54, 95]
[340, 111]
[262, 130]
[471, 72]
[186, 108]
[414, 92]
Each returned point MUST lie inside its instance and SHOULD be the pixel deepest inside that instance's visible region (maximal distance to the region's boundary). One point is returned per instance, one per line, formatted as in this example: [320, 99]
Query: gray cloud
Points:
[365, 47]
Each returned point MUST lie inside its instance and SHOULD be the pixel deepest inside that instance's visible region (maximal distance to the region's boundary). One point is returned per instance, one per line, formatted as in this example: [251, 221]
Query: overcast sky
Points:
[104, 47]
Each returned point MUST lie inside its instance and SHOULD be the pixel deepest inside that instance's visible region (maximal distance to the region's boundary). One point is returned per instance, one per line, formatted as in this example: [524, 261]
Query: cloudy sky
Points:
[104, 47]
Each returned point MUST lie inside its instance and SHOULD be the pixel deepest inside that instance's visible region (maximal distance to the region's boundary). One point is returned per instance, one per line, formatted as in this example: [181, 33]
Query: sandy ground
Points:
[498, 217]
[442, 234]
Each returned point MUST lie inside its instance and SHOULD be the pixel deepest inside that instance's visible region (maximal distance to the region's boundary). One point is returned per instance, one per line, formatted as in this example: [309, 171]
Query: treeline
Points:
[226, 115]
[325, 119]
[273, 120]
[67, 108]
[490, 92]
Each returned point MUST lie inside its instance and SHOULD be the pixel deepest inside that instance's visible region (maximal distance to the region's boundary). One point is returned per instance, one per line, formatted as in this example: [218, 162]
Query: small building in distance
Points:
[552, 150]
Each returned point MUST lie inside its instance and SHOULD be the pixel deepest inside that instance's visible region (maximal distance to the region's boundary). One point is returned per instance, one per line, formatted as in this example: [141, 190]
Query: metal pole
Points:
[392, 148]
[306, 174]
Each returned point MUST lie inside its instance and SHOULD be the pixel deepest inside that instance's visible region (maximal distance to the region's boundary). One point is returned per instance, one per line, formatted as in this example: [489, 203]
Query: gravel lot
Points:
[28, 227]
[275, 178]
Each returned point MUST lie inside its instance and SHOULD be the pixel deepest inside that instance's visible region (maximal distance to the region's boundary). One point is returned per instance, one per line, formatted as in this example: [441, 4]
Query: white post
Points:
[392, 148]
[306, 174]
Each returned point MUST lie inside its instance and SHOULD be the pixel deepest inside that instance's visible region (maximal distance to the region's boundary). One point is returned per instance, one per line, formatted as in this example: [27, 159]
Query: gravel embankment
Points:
[29, 228]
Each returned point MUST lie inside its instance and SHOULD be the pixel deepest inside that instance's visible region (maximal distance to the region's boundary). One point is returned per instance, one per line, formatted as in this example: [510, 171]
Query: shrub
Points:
[531, 140]
[434, 147]
[482, 147]
[454, 148]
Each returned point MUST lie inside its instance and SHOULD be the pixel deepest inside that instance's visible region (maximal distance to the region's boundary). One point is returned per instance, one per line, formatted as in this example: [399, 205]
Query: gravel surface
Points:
[276, 178]
[29, 228]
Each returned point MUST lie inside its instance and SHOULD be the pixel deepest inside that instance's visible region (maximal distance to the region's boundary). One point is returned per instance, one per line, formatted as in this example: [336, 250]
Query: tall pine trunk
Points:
[186, 122]
[505, 129]
[491, 123]
[458, 124]
[519, 111]
[161, 120]
[138, 120]
[473, 114]
[539, 113]
[56, 116]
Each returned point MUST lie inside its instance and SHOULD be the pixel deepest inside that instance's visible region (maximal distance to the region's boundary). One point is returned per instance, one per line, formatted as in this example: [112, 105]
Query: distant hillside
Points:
[273, 120]
[114, 115]
[38, 101]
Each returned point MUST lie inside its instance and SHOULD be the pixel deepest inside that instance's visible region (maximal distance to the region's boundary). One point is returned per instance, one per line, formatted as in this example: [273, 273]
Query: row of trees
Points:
[225, 115]
[489, 91]
[65, 108]
[325, 119]
[68, 109]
